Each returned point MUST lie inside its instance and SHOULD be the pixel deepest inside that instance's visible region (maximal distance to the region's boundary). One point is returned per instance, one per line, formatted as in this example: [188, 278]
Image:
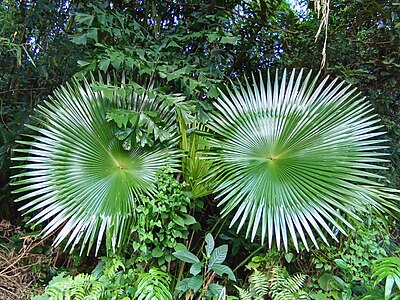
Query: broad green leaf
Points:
[183, 285]
[84, 18]
[192, 283]
[176, 74]
[330, 282]
[213, 93]
[179, 220]
[210, 244]
[121, 92]
[186, 256]
[189, 220]
[215, 289]
[218, 255]
[93, 34]
[222, 269]
[195, 269]
[134, 117]
[324, 281]
[222, 295]
[341, 263]
[212, 37]
[82, 63]
[130, 62]
[289, 257]
[117, 116]
[157, 252]
[320, 296]
[338, 282]
[389, 286]
[195, 282]
[103, 64]
[180, 247]
[229, 39]
[79, 39]
[193, 84]
[173, 44]
[109, 94]
[122, 134]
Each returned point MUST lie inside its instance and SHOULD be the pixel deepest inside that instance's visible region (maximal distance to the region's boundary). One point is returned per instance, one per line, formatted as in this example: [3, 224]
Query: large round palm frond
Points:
[295, 158]
[78, 177]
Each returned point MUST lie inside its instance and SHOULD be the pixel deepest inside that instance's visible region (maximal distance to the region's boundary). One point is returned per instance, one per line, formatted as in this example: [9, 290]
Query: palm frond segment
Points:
[295, 158]
[77, 176]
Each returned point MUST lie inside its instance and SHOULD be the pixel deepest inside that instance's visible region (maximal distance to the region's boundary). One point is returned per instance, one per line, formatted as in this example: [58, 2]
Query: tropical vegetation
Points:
[236, 149]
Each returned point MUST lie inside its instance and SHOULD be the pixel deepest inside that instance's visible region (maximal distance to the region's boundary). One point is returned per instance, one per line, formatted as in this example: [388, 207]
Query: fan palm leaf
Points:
[77, 175]
[295, 158]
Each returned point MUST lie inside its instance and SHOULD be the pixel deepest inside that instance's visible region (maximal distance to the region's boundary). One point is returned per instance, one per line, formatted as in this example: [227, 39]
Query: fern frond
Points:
[295, 282]
[387, 268]
[80, 287]
[259, 282]
[244, 294]
[277, 284]
[153, 285]
[286, 287]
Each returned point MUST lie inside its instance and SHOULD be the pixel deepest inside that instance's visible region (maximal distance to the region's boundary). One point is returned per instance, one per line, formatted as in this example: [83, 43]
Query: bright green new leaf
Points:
[195, 269]
[186, 256]
[210, 244]
[192, 283]
[195, 282]
[222, 269]
[218, 255]
[155, 284]
[387, 268]
[341, 263]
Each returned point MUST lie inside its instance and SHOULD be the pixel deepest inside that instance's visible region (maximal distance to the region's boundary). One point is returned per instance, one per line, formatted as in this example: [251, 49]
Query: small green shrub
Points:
[113, 279]
[275, 283]
[203, 271]
[162, 221]
[388, 269]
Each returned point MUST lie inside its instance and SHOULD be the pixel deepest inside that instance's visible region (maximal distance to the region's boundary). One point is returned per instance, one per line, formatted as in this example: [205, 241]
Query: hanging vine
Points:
[322, 9]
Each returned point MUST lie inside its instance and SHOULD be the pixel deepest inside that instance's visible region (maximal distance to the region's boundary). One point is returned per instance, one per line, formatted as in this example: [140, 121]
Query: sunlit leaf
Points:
[76, 175]
[295, 158]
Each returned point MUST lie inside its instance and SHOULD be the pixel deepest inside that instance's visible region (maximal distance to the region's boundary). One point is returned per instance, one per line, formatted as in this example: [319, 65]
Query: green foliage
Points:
[259, 284]
[145, 117]
[153, 285]
[203, 271]
[113, 279]
[286, 287]
[78, 174]
[369, 242]
[388, 268]
[8, 135]
[82, 286]
[118, 276]
[162, 220]
[293, 156]
[37, 58]
[177, 56]
[187, 58]
[7, 45]
[196, 169]
[275, 283]
[344, 271]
